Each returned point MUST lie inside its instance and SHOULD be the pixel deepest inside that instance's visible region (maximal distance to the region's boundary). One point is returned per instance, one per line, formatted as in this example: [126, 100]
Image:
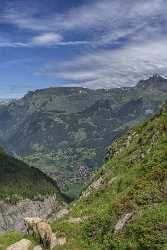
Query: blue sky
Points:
[95, 43]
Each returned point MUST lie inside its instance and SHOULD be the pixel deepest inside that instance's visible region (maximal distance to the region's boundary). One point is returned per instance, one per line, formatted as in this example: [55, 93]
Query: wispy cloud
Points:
[96, 14]
[124, 40]
[122, 67]
[46, 39]
[140, 31]
[42, 40]
[107, 20]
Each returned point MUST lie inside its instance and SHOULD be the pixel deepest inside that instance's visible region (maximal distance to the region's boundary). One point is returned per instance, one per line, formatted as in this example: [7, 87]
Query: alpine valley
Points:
[64, 131]
[123, 207]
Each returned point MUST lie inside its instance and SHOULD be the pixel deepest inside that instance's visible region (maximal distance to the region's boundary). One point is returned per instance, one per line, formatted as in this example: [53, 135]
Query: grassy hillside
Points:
[19, 181]
[133, 180]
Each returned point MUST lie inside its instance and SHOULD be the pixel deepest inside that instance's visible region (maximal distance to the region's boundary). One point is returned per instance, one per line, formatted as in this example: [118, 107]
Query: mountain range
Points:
[124, 206]
[65, 131]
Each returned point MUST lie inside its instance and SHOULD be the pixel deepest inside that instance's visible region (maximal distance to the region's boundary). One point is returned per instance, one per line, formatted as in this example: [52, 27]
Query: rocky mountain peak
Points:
[157, 77]
[156, 81]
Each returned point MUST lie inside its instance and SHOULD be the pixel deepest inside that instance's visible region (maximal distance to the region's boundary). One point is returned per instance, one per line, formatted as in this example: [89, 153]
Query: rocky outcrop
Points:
[122, 222]
[11, 216]
[20, 245]
[96, 185]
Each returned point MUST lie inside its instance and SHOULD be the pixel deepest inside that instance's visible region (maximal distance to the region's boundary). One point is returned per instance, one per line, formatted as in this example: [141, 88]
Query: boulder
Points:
[20, 245]
[37, 248]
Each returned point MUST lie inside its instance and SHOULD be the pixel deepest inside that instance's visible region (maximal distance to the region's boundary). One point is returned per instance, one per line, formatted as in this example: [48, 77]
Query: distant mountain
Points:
[64, 131]
[25, 191]
[125, 205]
[4, 101]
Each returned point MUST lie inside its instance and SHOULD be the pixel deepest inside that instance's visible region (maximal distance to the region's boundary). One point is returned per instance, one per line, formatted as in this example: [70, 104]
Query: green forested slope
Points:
[19, 181]
[133, 181]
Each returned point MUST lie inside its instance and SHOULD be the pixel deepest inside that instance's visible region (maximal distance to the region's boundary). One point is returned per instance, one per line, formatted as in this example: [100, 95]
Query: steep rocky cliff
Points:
[12, 215]
[25, 192]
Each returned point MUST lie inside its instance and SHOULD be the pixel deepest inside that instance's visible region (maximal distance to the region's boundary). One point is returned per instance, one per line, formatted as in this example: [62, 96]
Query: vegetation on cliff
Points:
[133, 181]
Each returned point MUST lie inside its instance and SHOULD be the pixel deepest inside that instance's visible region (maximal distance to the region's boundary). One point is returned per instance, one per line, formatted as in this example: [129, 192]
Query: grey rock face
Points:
[122, 222]
[61, 213]
[11, 216]
[96, 185]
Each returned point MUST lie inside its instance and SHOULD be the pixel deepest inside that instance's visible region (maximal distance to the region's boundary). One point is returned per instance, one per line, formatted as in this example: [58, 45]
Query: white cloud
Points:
[121, 67]
[138, 26]
[46, 39]
[106, 20]
[43, 40]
